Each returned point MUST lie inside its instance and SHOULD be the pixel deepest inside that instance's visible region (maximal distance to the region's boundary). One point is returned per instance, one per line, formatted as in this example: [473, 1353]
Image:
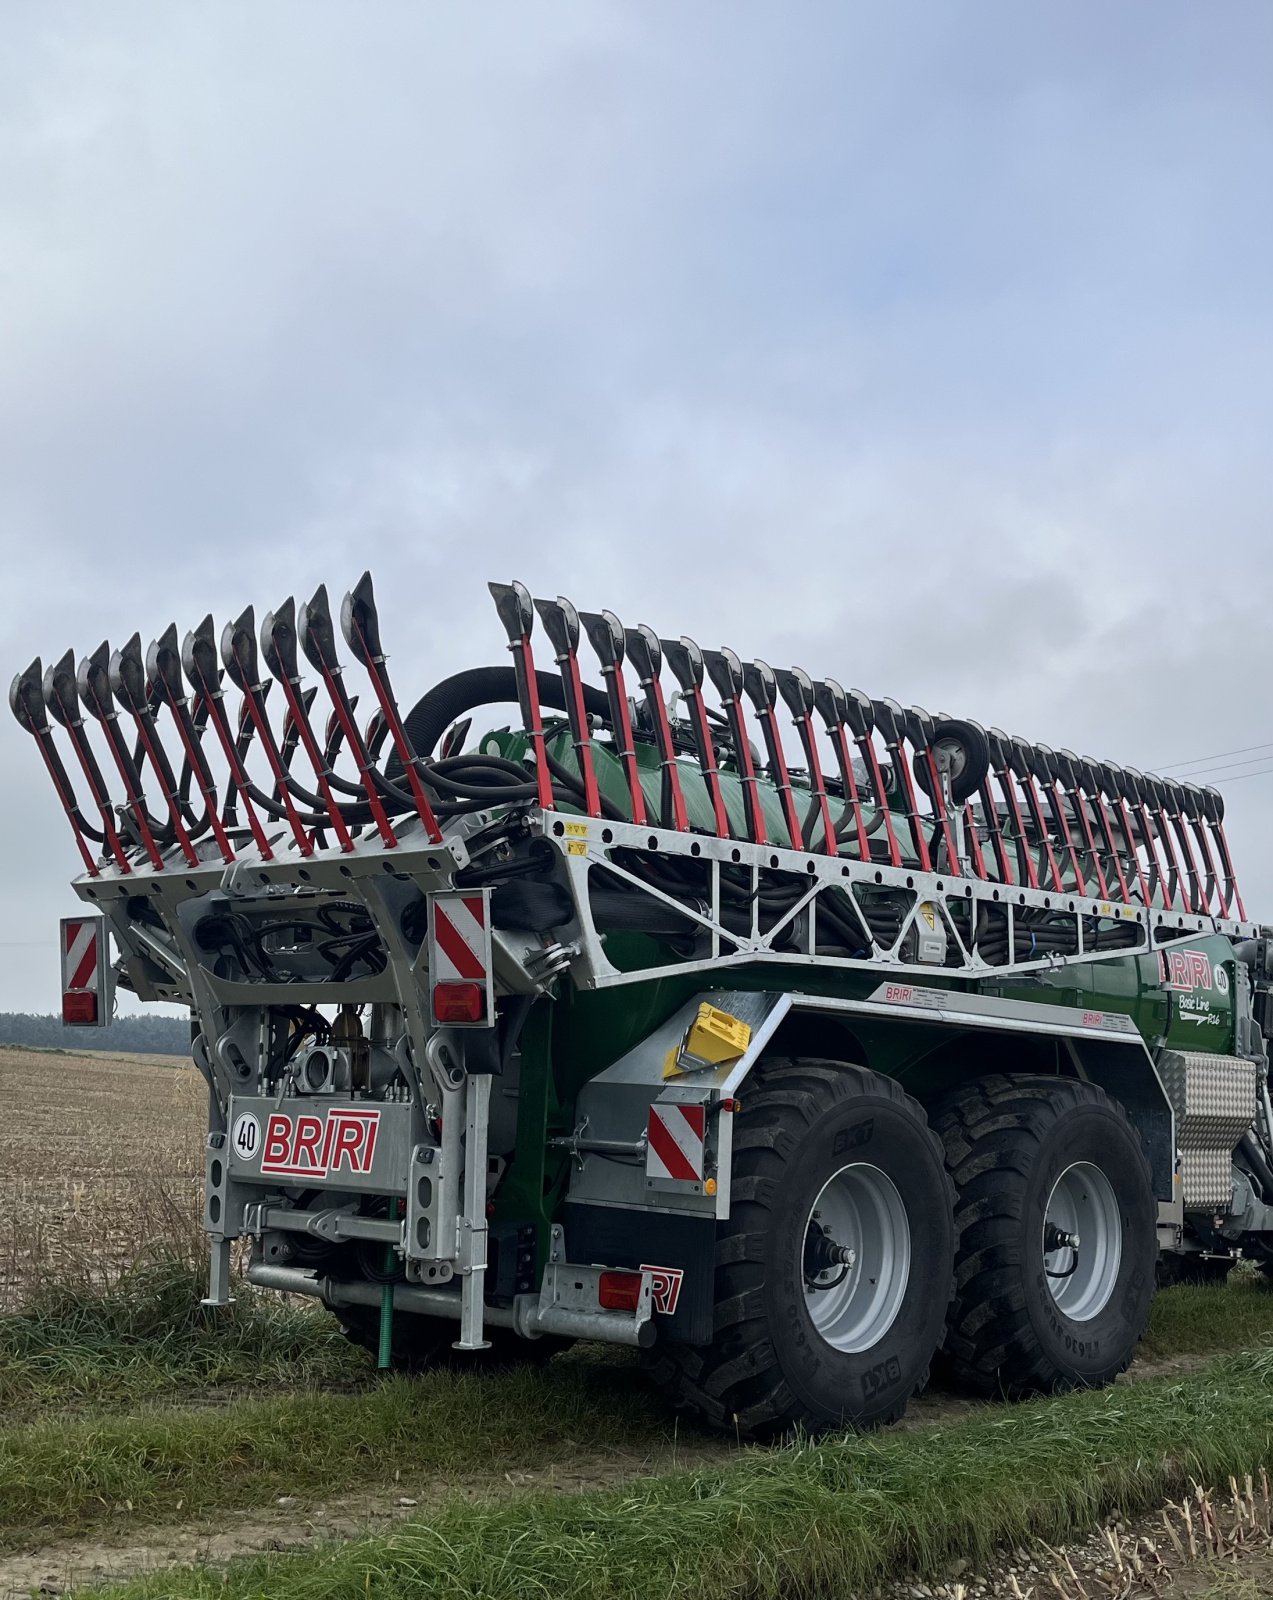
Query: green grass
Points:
[65, 1475]
[72, 1365]
[148, 1337]
[1190, 1321]
[818, 1519]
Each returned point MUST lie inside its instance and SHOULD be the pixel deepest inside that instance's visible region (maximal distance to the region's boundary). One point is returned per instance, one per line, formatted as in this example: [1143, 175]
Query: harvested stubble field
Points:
[140, 1431]
[100, 1155]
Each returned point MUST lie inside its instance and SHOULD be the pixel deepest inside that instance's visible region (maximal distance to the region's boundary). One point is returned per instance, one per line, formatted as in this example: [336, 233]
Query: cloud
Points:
[929, 350]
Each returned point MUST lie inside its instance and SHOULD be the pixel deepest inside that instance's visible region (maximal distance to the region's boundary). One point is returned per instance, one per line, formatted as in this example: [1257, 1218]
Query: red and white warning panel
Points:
[86, 973]
[461, 976]
[677, 1135]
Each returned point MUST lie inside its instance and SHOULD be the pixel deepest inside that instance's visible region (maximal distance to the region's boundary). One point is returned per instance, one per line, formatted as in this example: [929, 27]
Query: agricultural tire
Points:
[421, 1343]
[1262, 1254]
[817, 1135]
[969, 750]
[1025, 1152]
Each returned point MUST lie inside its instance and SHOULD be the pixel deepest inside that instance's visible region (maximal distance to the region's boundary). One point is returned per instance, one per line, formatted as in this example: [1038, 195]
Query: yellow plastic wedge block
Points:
[711, 1040]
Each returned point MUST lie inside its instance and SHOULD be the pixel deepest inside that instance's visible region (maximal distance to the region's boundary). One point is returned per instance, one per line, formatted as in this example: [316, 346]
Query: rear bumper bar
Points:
[531, 1316]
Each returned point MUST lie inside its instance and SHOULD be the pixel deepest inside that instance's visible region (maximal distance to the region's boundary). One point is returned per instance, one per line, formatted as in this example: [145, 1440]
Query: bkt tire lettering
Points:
[889, 1371]
[853, 1138]
[305, 1146]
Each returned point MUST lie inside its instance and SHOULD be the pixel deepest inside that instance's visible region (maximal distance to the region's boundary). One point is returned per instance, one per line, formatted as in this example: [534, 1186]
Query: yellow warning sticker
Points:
[576, 830]
[929, 914]
[576, 847]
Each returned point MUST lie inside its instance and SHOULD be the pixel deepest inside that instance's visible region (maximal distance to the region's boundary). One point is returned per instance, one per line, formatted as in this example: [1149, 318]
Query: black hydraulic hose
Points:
[448, 778]
[280, 813]
[195, 828]
[613, 910]
[688, 886]
[298, 792]
[564, 776]
[688, 881]
[92, 833]
[447, 701]
[463, 776]
[477, 797]
[842, 921]
[435, 775]
[341, 785]
[162, 830]
[462, 783]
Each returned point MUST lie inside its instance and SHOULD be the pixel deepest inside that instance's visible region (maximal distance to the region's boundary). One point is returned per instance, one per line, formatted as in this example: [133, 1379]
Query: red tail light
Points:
[79, 1009]
[619, 1291]
[459, 1002]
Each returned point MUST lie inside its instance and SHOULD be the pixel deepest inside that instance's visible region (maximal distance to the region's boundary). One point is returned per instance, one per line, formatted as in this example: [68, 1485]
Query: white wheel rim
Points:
[853, 1303]
[1084, 1209]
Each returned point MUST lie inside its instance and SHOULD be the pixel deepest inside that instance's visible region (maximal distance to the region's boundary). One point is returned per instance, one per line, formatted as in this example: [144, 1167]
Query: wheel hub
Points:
[823, 1255]
[857, 1256]
[951, 757]
[1082, 1241]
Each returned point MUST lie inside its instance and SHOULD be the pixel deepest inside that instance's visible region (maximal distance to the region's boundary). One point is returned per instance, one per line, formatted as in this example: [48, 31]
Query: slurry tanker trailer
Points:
[796, 1038]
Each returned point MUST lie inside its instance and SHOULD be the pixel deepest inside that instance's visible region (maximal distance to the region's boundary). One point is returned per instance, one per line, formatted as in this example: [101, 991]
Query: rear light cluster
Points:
[619, 1291]
[79, 1009]
[459, 1002]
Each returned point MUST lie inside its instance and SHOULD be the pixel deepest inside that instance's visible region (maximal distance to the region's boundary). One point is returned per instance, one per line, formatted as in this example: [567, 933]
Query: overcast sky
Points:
[926, 346]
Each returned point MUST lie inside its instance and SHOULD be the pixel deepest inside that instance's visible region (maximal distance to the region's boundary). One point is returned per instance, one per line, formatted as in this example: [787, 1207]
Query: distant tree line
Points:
[167, 1036]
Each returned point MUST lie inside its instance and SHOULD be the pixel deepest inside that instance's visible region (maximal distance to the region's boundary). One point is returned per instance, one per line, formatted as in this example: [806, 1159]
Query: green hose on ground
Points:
[384, 1359]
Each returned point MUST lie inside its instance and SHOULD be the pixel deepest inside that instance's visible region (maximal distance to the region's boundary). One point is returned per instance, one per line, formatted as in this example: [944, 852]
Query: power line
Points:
[1227, 766]
[1262, 773]
[1198, 761]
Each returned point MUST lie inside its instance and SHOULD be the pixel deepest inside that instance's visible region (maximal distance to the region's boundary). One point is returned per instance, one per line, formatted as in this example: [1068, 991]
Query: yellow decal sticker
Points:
[576, 830]
[576, 847]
